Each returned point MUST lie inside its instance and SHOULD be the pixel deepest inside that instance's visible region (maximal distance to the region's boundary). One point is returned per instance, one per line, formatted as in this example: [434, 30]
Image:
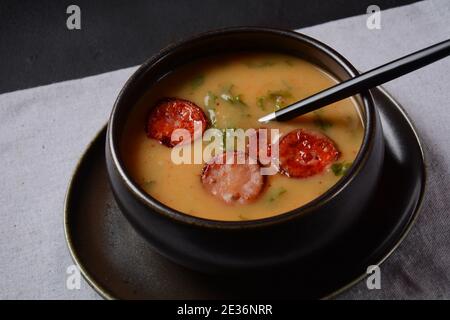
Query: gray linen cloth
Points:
[44, 130]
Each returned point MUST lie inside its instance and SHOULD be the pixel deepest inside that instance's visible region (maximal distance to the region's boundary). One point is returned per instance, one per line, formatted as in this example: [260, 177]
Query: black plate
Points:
[118, 263]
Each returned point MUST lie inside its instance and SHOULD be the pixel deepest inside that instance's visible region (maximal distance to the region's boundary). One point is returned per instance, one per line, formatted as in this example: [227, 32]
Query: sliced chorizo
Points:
[233, 182]
[170, 114]
[304, 153]
[263, 145]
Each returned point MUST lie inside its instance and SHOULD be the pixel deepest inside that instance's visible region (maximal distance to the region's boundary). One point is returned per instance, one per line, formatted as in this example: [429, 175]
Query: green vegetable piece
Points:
[212, 117]
[340, 168]
[279, 102]
[280, 93]
[260, 102]
[279, 98]
[210, 100]
[226, 93]
[148, 184]
[276, 193]
[322, 123]
[259, 64]
[210, 105]
[197, 81]
[228, 96]
[336, 168]
[228, 132]
[289, 62]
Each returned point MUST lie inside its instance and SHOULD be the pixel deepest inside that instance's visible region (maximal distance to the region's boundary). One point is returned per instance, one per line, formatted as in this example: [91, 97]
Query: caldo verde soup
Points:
[231, 92]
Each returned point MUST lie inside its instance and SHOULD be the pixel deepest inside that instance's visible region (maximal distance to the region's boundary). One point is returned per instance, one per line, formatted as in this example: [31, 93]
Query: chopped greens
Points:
[276, 98]
[210, 100]
[228, 132]
[289, 62]
[322, 123]
[212, 117]
[148, 184]
[275, 194]
[279, 98]
[259, 64]
[210, 105]
[242, 217]
[279, 93]
[197, 81]
[340, 168]
[260, 102]
[228, 96]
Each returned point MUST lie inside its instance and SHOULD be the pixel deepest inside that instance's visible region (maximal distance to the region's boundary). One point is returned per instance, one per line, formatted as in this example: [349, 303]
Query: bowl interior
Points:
[226, 41]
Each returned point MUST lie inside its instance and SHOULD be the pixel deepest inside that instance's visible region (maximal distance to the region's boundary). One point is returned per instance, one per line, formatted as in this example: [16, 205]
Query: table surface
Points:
[45, 129]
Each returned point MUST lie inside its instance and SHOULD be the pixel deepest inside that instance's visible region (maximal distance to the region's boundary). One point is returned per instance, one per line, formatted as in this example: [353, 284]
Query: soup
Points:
[234, 91]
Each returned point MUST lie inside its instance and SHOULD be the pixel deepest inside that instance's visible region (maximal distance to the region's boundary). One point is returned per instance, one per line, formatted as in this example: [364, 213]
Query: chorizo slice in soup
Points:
[306, 153]
[233, 182]
[170, 114]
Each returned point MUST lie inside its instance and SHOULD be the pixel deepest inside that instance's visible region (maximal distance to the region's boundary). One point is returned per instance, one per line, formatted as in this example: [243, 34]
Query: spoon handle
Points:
[365, 81]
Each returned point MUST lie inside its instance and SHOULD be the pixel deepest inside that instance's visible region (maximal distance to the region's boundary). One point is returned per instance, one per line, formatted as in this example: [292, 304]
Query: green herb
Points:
[228, 132]
[197, 81]
[228, 96]
[259, 64]
[210, 100]
[148, 184]
[238, 100]
[226, 93]
[279, 98]
[212, 117]
[231, 134]
[242, 217]
[260, 102]
[279, 102]
[210, 105]
[279, 93]
[289, 62]
[276, 193]
[340, 168]
[322, 123]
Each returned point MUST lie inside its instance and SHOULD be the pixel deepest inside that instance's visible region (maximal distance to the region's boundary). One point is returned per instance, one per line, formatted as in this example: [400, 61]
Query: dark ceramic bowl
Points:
[220, 246]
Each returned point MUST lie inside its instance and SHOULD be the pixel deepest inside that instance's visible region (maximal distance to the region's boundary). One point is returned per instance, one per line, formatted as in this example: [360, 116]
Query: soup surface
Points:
[234, 91]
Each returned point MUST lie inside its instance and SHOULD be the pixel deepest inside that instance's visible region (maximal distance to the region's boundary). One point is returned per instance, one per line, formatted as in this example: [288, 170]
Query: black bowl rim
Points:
[157, 206]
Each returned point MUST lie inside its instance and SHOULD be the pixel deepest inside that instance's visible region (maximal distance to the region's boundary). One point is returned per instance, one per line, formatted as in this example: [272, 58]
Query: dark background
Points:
[36, 47]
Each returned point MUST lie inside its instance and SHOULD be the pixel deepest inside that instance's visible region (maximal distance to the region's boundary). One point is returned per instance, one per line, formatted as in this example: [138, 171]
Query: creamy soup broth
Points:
[262, 82]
